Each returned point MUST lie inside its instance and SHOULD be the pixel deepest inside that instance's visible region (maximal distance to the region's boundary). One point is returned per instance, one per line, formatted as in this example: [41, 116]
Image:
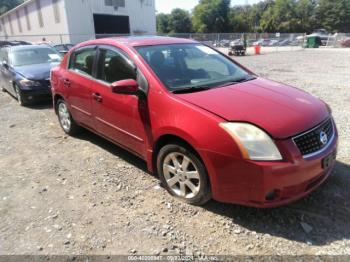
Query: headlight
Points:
[253, 142]
[328, 108]
[29, 83]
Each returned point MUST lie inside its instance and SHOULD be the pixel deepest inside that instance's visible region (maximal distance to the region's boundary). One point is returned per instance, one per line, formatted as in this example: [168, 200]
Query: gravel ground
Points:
[64, 195]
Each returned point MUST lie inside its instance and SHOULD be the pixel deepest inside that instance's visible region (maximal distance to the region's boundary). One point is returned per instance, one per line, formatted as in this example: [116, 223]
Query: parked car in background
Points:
[262, 42]
[345, 42]
[13, 43]
[209, 127]
[274, 42]
[237, 47]
[222, 43]
[63, 48]
[25, 71]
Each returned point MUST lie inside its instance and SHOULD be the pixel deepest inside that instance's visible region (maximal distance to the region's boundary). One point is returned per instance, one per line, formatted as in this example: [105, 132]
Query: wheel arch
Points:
[169, 138]
[55, 100]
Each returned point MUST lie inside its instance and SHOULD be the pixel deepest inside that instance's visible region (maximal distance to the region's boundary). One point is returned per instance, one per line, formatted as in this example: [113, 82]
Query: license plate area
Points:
[329, 160]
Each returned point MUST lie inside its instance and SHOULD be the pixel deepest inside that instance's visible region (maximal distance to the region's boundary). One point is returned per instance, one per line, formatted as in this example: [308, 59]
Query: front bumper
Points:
[41, 94]
[268, 184]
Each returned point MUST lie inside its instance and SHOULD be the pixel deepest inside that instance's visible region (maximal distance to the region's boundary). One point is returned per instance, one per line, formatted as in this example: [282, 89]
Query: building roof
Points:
[16, 8]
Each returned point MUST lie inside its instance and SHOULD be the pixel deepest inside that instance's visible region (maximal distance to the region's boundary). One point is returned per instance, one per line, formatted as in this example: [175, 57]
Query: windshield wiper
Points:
[190, 89]
[207, 87]
[238, 81]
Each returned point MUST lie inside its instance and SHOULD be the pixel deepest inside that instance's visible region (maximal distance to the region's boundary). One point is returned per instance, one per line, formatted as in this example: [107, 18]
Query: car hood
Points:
[283, 111]
[35, 72]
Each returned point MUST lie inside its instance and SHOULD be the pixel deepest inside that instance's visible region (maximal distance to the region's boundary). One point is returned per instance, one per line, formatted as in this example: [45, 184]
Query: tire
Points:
[189, 183]
[3, 89]
[21, 100]
[67, 123]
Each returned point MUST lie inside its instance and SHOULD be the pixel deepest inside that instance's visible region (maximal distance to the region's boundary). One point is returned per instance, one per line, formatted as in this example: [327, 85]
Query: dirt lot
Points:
[63, 195]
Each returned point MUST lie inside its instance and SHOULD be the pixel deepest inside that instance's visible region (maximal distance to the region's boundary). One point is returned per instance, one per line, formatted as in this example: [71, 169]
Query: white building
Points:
[73, 21]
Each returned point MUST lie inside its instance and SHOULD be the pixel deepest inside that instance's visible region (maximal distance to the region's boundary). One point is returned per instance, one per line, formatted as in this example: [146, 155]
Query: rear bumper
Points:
[267, 184]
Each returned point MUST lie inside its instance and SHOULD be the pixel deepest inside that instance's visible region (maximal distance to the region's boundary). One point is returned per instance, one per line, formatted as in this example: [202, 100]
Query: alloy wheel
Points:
[181, 175]
[64, 117]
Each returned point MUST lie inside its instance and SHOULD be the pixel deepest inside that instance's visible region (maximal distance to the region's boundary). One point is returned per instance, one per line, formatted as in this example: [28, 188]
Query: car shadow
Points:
[319, 219]
[41, 105]
[325, 212]
[114, 149]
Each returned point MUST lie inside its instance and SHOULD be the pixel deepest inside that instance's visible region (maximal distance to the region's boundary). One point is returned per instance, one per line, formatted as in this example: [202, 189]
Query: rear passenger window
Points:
[114, 67]
[83, 61]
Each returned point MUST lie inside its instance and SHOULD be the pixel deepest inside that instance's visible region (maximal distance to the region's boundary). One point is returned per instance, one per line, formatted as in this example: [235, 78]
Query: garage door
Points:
[111, 24]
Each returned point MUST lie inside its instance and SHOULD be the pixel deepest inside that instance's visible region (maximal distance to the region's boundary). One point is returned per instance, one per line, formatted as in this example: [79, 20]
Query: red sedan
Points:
[209, 127]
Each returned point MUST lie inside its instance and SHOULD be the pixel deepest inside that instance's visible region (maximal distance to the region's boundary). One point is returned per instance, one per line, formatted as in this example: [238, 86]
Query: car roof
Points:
[62, 44]
[134, 41]
[24, 47]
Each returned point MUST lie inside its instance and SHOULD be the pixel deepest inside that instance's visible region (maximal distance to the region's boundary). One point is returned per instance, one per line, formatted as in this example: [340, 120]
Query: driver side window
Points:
[114, 67]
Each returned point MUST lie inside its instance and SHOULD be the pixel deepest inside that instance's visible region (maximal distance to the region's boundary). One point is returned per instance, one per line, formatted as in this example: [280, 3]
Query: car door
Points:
[6, 73]
[77, 82]
[117, 116]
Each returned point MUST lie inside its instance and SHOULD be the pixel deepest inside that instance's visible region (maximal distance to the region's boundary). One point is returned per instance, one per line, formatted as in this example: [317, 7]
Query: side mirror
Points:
[127, 87]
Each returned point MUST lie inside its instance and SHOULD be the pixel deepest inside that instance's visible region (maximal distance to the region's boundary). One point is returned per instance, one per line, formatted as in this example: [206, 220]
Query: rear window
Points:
[82, 61]
[60, 48]
[32, 56]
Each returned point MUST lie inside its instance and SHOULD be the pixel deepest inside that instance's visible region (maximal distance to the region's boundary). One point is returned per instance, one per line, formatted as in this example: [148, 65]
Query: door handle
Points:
[97, 97]
[66, 82]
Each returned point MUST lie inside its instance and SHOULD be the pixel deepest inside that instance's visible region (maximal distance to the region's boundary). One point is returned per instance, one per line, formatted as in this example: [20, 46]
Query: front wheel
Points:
[183, 174]
[67, 123]
[20, 98]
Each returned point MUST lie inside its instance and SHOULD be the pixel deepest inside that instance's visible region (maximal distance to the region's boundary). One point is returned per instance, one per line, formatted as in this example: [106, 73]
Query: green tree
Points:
[281, 17]
[211, 16]
[306, 13]
[6, 5]
[333, 15]
[239, 19]
[163, 23]
[247, 18]
[180, 21]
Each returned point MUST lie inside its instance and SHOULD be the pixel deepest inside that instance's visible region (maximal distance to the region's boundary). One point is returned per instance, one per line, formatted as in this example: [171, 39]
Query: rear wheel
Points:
[183, 174]
[67, 123]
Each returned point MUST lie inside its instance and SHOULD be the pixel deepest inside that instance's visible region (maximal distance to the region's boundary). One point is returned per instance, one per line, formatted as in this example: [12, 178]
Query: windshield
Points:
[191, 66]
[32, 56]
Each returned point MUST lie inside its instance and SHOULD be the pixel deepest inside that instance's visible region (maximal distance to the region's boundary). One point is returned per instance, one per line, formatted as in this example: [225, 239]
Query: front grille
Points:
[310, 142]
[45, 83]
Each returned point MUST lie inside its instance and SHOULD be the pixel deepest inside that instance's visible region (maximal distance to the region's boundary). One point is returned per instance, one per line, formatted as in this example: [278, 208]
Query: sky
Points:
[165, 6]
